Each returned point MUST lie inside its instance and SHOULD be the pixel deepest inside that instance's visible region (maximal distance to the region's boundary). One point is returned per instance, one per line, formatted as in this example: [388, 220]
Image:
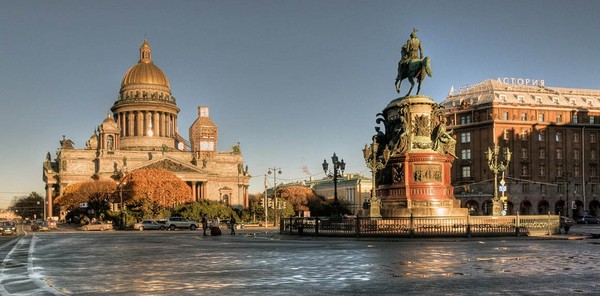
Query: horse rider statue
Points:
[412, 65]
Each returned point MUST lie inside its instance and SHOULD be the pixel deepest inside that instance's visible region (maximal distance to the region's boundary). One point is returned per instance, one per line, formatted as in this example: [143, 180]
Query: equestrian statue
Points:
[412, 64]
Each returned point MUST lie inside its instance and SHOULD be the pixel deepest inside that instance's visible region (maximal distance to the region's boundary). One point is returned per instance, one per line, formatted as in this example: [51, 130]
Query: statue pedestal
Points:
[421, 187]
[416, 179]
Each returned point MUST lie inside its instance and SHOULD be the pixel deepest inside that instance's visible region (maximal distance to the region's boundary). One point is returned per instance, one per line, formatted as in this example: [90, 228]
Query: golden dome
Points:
[145, 78]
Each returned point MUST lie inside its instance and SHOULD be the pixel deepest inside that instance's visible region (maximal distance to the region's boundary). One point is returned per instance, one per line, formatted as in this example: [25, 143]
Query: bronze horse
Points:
[413, 69]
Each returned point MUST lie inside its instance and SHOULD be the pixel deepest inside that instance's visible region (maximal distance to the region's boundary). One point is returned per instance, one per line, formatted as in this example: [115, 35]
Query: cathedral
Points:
[141, 131]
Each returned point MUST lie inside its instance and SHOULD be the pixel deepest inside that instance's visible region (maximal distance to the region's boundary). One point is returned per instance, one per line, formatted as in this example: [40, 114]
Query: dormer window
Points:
[555, 101]
[572, 101]
[521, 99]
[538, 100]
[503, 98]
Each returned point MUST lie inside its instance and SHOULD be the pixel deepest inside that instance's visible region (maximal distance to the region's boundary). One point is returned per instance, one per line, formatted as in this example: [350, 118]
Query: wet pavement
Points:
[259, 262]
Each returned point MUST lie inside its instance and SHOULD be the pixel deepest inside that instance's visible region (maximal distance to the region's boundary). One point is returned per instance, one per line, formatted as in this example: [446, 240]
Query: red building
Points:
[552, 133]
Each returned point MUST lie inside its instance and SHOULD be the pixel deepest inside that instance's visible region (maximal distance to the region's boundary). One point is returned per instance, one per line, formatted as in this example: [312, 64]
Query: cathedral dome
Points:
[144, 79]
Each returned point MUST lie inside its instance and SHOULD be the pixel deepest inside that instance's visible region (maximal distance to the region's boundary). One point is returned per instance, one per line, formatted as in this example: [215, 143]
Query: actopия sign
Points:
[522, 81]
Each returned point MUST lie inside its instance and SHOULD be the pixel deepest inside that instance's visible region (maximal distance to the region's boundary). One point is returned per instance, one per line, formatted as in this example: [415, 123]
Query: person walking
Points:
[204, 224]
[232, 223]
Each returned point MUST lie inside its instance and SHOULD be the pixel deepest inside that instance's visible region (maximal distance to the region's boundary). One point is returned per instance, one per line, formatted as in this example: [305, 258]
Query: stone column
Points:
[162, 124]
[129, 124]
[147, 125]
[155, 125]
[48, 207]
[139, 123]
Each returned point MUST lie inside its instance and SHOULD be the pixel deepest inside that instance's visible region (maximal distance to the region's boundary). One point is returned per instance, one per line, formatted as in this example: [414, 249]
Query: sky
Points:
[291, 81]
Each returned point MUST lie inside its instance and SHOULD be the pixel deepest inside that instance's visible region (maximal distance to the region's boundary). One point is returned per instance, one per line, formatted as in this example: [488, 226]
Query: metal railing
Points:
[463, 226]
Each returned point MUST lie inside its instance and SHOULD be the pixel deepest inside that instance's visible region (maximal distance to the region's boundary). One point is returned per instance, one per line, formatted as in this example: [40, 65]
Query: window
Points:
[559, 118]
[466, 154]
[466, 171]
[559, 170]
[559, 153]
[538, 100]
[503, 98]
[592, 119]
[593, 188]
[542, 153]
[525, 188]
[542, 136]
[524, 153]
[559, 136]
[572, 100]
[543, 188]
[524, 170]
[576, 137]
[505, 135]
[465, 137]
[504, 115]
[576, 154]
[574, 119]
[593, 170]
[524, 135]
[560, 188]
[542, 170]
[521, 99]
[110, 143]
[593, 154]
[593, 137]
[524, 116]
[555, 101]
[465, 119]
[576, 170]
[541, 117]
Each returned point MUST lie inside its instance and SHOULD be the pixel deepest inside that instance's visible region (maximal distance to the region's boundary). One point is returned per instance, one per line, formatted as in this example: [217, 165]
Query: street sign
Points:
[503, 198]
[501, 188]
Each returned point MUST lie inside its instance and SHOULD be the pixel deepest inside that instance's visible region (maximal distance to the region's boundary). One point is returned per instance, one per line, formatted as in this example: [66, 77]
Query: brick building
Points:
[552, 133]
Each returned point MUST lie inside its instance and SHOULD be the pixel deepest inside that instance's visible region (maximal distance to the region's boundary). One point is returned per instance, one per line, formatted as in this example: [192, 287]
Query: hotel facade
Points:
[553, 134]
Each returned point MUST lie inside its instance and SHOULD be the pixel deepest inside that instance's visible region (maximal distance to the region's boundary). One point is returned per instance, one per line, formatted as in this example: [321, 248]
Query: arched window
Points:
[543, 207]
[110, 143]
[525, 208]
[226, 199]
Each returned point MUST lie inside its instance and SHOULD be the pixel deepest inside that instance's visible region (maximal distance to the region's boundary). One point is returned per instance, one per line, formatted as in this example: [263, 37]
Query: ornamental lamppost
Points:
[497, 166]
[120, 185]
[275, 171]
[375, 164]
[338, 170]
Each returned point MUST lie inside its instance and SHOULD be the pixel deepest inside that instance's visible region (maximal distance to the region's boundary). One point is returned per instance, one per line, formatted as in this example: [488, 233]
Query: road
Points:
[265, 263]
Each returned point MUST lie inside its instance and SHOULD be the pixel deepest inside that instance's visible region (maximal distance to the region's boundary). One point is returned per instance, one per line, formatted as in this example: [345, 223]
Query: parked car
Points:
[102, 226]
[180, 222]
[8, 228]
[587, 219]
[150, 224]
[566, 223]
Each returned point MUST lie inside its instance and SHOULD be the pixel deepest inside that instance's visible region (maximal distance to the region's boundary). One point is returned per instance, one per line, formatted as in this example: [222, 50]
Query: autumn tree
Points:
[98, 195]
[298, 196]
[157, 186]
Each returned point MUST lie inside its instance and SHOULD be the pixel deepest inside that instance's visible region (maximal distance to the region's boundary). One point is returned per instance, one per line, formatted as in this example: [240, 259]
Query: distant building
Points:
[352, 189]
[553, 136]
[142, 131]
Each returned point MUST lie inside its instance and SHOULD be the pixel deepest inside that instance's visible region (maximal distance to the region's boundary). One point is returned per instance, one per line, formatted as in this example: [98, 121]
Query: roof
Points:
[496, 91]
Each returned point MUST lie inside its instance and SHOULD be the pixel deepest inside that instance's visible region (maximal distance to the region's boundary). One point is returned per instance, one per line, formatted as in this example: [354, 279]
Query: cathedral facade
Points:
[141, 131]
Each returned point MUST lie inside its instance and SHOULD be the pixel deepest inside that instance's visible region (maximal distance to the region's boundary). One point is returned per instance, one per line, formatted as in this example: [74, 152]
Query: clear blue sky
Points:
[292, 81]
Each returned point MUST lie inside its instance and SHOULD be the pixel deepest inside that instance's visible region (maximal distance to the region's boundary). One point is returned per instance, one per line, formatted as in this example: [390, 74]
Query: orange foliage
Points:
[298, 196]
[158, 186]
[91, 192]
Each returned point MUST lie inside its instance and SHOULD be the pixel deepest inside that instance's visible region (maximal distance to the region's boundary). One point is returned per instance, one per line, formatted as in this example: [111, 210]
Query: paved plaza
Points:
[262, 262]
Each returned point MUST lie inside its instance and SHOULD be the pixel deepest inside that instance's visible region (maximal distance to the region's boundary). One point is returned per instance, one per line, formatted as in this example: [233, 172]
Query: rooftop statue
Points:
[412, 64]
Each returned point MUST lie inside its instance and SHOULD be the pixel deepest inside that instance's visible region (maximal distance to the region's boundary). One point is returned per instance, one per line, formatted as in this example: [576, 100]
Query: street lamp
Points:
[338, 170]
[375, 164]
[120, 185]
[497, 166]
[275, 171]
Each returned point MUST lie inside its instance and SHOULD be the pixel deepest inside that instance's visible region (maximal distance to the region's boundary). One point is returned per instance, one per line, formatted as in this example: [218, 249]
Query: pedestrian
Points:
[204, 224]
[232, 223]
